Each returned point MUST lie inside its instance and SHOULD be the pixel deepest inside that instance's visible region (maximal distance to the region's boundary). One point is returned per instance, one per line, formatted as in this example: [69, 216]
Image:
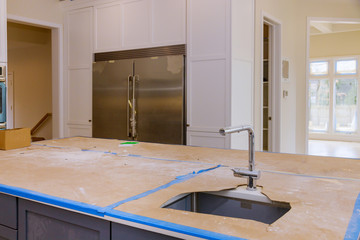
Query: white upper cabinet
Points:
[131, 24]
[3, 35]
[168, 22]
[79, 27]
[208, 26]
[136, 23]
[108, 31]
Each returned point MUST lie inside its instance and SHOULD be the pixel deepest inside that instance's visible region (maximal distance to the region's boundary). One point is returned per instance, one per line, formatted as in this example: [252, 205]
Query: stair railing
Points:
[40, 123]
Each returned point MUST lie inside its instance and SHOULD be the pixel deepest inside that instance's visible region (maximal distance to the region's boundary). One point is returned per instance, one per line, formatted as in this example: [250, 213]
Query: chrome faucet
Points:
[251, 174]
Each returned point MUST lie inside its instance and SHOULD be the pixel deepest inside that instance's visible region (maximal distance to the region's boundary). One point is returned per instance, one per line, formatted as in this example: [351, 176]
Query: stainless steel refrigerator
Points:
[140, 99]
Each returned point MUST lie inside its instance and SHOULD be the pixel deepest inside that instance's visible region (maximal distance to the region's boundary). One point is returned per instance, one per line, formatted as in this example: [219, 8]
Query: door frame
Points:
[276, 27]
[309, 20]
[57, 69]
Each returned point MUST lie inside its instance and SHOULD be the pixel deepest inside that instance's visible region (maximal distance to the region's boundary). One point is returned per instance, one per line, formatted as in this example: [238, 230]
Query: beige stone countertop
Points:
[114, 180]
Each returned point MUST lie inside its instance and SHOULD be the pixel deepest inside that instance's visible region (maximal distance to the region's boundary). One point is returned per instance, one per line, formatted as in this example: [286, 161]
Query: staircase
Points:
[36, 128]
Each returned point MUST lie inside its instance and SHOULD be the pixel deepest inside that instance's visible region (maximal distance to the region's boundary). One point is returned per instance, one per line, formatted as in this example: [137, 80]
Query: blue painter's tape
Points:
[95, 151]
[44, 145]
[311, 176]
[168, 160]
[177, 180]
[173, 227]
[353, 230]
[56, 201]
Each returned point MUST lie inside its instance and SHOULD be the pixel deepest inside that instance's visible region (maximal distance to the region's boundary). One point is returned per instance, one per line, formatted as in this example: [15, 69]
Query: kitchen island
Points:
[86, 188]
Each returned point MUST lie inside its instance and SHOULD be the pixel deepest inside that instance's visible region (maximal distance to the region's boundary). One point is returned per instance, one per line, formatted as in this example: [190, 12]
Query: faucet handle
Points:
[244, 172]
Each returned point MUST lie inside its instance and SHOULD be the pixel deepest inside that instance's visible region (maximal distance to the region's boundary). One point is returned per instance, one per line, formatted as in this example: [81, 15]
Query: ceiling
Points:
[317, 28]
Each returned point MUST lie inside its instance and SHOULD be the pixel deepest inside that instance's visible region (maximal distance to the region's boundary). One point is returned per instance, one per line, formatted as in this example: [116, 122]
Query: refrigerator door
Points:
[110, 98]
[160, 99]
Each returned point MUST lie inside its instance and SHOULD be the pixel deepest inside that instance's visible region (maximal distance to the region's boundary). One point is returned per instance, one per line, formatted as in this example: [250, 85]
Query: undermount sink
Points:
[238, 203]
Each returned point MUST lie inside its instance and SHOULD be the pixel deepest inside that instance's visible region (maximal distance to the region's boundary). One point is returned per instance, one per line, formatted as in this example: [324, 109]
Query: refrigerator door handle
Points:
[128, 104]
[133, 113]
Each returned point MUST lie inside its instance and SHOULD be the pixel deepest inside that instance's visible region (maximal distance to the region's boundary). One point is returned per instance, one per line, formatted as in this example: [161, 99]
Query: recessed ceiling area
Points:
[321, 27]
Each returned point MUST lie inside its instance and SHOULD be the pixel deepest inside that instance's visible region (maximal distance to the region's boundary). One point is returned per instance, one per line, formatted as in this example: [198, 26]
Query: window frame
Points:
[332, 76]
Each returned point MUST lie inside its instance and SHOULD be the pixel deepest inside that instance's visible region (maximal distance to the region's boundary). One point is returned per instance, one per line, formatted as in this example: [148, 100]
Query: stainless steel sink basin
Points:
[238, 203]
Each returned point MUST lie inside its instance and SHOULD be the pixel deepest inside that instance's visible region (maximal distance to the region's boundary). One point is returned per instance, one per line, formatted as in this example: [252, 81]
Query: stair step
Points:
[36, 139]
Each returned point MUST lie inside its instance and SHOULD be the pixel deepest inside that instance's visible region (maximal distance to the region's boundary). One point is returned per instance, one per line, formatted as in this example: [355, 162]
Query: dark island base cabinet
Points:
[8, 217]
[41, 222]
[123, 232]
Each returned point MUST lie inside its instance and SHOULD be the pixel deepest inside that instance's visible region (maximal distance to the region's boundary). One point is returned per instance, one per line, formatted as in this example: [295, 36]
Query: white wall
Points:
[293, 14]
[335, 44]
[44, 10]
[29, 57]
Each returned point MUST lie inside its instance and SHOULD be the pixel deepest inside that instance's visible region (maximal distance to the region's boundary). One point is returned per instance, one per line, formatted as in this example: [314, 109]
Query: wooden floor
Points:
[334, 148]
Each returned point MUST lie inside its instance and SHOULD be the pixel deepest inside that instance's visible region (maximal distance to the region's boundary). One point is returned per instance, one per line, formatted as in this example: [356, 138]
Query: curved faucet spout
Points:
[251, 174]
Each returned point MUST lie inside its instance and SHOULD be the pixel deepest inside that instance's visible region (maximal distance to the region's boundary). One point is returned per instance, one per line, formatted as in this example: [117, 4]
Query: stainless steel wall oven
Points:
[2, 97]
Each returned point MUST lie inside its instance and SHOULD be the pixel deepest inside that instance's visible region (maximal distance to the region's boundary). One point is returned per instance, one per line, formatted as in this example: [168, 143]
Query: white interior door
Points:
[10, 101]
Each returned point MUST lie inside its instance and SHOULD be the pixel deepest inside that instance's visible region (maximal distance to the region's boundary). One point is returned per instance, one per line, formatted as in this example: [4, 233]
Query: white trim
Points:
[32, 22]
[276, 26]
[57, 68]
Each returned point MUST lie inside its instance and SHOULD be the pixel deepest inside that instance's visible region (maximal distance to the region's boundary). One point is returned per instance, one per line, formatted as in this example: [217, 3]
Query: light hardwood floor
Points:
[334, 149]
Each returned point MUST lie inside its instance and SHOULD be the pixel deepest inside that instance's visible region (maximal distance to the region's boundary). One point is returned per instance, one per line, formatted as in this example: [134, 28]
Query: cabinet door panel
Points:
[206, 139]
[169, 20]
[8, 211]
[79, 96]
[41, 222]
[208, 28]
[207, 109]
[74, 130]
[120, 232]
[7, 233]
[107, 27]
[79, 38]
[136, 23]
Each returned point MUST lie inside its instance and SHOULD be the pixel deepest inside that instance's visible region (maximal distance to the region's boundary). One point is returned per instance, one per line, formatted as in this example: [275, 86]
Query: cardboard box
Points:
[15, 138]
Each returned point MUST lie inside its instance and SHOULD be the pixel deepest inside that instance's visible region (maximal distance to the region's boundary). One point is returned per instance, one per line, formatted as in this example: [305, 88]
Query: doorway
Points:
[333, 60]
[271, 85]
[30, 62]
[56, 67]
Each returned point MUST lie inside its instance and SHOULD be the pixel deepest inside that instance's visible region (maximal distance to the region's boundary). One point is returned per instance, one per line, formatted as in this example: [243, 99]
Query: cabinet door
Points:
[79, 34]
[108, 30]
[3, 35]
[8, 211]
[41, 222]
[168, 22]
[119, 232]
[80, 96]
[136, 23]
[7, 233]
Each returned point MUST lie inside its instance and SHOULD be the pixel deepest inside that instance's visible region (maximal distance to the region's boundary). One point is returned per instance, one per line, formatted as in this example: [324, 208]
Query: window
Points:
[345, 105]
[346, 66]
[319, 68]
[319, 105]
[333, 93]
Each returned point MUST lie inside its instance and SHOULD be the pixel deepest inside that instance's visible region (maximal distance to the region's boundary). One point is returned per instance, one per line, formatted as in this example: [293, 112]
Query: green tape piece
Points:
[125, 143]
